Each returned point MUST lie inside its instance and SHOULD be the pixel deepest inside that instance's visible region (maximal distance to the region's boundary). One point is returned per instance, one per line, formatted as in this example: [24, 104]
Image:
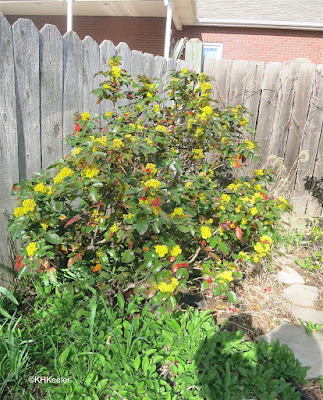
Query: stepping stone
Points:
[301, 295]
[308, 349]
[289, 275]
[307, 314]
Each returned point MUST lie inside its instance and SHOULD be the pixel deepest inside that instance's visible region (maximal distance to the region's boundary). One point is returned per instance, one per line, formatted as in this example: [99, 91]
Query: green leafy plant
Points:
[135, 355]
[8, 296]
[136, 207]
[310, 327]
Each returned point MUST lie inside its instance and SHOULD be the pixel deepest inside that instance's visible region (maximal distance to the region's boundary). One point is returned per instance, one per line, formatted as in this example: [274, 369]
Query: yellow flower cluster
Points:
[91, 172]
[116, 71]
[253, 210]
[64, 173]
[206, 86]
[96, 215]
[161, 128]
[242, 254]
[225, 197]
[161, 250]
[156, 108]
[206, 232]
[128, 216]
[117, 144]
[243, 121]
[176, 251]
[257, 187]
[225, 276]
[149, 95]
[102, 140]
[266, 238]
[188, 184]
[153, 183]
[156, 210]
[152, 168]
[251, 145]
[132, 138]
[31, 249]
[258, 172]
[177, 212]
[44, 226]
[167, 287]
[77, 150]
[198, 154]
[234, 186]
[184, 71]
[262, 248]
[207, 110]
[114, 228]
[85, 116]
[42, 188]
[283, 200]
[27, 206]
[190, 123]
[109, 114]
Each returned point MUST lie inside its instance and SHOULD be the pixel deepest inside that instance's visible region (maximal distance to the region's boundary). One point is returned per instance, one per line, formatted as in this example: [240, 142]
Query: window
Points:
[212, 50]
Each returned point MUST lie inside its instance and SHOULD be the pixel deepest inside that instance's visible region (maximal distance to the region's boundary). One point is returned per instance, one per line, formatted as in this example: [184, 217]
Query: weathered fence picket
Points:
[91, 67]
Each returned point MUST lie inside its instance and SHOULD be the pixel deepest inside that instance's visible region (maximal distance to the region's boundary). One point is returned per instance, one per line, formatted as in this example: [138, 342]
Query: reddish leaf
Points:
[155, 202]
[71, 221]
[174, 269]
[70, 262]
[78, 257]
[238, 232]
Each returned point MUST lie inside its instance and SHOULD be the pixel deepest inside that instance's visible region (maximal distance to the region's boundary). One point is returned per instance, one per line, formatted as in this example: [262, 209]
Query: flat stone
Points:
[301, 295]
[289, 275]
[308, 349]
[307, 314]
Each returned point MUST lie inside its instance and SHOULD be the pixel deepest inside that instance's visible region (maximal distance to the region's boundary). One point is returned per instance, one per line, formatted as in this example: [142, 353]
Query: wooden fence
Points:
[45, 79]
[286, 101]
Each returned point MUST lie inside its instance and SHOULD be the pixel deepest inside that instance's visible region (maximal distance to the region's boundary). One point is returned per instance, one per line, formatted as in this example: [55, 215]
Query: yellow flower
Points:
[161, 250]
[253, 211]
[64, 172]
[96, 215]
[225, 197]
[242, 254]
[209, 221]
[258, 172]
[206, 232]
[117, 143]
[184, 71]
[205, 86]
[243, 221]
[149, 95]
[222, 208]
[251, 145]
[99, 253]
[177, 211]
[152, 168]
[77, 150]
[238, 209]
[102, 140]
[167, 288]
[261, 248]
[128, 216]
[156, 108]
[256, 258]
[176, 251]
[156, 210]
[90, 172]
[161, 128]
[221, 231]
[188, 184]
[266, 238]
[116, 71]
[109, 114]
[28, 205]
[225, 276]
[44, 226]
[31, 249]
[257, 187]
[114, 228]
[198, 154]
[18, 212]
[42, 188]
[283, 200]
[85, 116]
[207, 110]
[154, 183]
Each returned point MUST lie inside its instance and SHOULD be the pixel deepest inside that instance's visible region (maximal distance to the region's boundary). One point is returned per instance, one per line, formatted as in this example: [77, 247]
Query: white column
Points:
[168, 31]
[69, 15]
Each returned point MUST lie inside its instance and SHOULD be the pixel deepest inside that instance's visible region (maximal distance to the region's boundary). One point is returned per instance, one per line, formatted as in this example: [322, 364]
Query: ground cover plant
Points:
[134, 216]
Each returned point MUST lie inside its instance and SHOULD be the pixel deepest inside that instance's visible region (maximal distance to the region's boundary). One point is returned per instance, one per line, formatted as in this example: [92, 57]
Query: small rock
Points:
[301, 295]
[290, 276]
[307, 314]
[308, 349]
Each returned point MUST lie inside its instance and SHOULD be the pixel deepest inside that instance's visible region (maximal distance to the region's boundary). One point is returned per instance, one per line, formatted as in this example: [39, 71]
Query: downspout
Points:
[168, 31]
[69, 15]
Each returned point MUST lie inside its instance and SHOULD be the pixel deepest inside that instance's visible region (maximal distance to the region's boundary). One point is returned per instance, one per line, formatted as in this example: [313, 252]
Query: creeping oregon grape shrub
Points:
[135, 206]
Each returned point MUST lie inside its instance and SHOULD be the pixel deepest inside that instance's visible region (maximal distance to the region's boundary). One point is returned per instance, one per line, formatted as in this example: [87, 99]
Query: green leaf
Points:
[204, 285]
[52, 237]
[8, 294]
[102, 384]
[136, 363]
[94, 194]
[223, 247]
[64, 355]
[4, 313]
[52, 274]
[183, 228]
[232, 297]
[128, 256]
[141, 227]
[120, 301]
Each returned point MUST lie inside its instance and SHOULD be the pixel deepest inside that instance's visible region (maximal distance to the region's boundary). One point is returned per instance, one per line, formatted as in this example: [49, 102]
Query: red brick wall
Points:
[147, 35]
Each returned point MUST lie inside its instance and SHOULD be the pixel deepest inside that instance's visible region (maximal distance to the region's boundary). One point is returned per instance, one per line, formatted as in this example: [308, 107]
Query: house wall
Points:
[147, 35]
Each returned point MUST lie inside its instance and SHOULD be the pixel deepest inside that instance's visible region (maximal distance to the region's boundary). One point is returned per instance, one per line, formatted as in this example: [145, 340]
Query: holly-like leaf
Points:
[52, 237]
[94, 194]
[71, 221]
[223, 247]
[232, 297]
[141, 227]
[128, 256]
